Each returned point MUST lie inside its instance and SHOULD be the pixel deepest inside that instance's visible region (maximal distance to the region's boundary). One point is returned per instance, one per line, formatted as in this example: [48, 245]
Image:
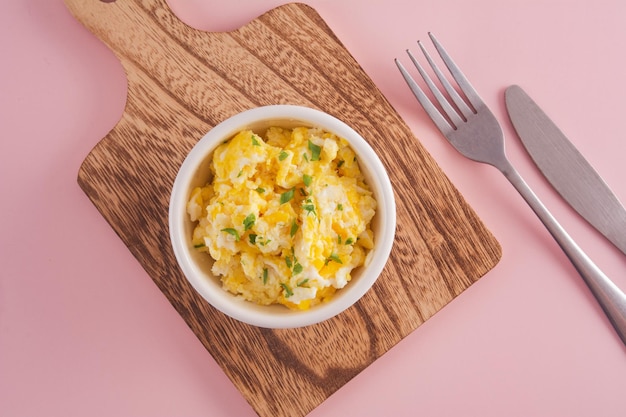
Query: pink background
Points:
[84, 331]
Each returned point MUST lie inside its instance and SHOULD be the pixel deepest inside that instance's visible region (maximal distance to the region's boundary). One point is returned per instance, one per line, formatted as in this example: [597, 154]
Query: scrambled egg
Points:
[286, 216]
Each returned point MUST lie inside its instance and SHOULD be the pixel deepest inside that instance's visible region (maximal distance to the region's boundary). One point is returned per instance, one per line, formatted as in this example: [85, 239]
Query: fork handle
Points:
[609, 296]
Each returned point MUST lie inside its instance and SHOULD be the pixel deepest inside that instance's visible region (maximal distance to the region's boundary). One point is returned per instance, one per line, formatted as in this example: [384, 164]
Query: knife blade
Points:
[565, 168]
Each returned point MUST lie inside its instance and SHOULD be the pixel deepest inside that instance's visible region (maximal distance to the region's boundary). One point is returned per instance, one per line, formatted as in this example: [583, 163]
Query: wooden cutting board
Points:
[181, 82]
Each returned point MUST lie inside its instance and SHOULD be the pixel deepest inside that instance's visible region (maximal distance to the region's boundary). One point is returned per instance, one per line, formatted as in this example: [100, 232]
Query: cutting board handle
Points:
[112, 20]
[93, 13]
[161, 55]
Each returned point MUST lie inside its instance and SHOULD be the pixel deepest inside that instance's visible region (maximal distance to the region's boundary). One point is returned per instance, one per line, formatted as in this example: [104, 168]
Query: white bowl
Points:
[196, 266]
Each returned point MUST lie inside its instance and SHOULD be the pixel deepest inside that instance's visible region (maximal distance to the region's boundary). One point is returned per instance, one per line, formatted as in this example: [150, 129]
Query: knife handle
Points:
[610, 297]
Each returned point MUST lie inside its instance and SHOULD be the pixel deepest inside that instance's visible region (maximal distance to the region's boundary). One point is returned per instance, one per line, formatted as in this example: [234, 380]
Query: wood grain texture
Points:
[181, 82]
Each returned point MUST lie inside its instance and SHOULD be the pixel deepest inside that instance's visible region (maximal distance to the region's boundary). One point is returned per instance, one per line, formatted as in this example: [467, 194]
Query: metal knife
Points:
[565, 168]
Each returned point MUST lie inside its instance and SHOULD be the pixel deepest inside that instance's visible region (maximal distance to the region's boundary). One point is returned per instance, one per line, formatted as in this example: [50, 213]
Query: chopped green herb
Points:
[306, 157]
[260, 190]
[340, 163]
[255, 141]
[288, 292]
[293, 264]
[282, 156]
[232, 232]
[339, 239]
[294, 228]
[248, 222]
[340, 207]
[333, 257]
[310, 208]
[239, 174]
[258, 240]
[301, 283]
[286, 196]
[349, 241]
[307, 179]
[315, 151]
[265, 275]
[199, 245]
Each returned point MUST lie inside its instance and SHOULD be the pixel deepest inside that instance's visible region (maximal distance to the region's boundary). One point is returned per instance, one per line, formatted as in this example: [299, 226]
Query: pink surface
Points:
[84, 331]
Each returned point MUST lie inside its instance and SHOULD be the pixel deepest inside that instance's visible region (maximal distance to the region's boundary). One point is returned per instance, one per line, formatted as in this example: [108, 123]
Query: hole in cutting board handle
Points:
[108, 1]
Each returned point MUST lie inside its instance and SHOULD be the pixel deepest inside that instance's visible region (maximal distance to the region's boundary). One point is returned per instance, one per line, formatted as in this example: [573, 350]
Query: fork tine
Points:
[443, 102]
[456, 98]
[465, 85]
[440, 121]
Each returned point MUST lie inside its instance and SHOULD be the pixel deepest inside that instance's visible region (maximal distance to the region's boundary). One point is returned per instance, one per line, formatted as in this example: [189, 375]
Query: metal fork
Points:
[474, 131]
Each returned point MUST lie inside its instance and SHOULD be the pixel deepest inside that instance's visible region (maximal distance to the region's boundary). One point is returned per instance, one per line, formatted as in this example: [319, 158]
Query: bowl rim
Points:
[264, 316]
